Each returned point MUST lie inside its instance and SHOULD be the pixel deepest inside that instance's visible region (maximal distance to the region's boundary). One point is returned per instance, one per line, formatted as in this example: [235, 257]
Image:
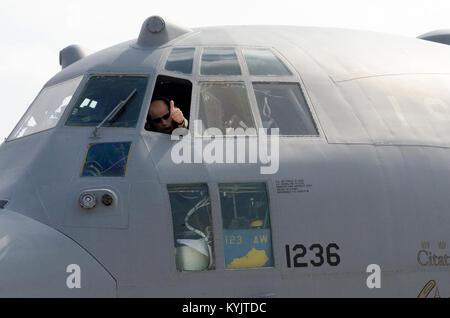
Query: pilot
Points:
[164, 117]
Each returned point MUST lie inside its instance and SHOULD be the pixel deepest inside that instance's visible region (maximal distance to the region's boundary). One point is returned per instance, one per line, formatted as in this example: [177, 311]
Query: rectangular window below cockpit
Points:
[246, 225]
[192, 227]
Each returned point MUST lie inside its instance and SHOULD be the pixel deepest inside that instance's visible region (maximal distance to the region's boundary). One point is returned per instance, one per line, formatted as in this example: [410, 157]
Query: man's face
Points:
[160, 117]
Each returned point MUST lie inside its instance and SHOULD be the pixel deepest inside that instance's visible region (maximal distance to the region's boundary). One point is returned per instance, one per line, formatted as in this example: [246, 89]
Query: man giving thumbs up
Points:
[164, 117]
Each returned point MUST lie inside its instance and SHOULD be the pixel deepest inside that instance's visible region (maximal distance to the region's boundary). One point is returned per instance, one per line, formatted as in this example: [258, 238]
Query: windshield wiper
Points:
[113, 113]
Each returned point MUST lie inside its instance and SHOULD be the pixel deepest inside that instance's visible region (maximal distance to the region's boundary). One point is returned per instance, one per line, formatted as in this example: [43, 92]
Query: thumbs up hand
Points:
[176, 114]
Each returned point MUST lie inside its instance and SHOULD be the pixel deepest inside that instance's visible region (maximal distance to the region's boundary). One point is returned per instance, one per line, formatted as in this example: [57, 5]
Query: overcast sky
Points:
[33, 32]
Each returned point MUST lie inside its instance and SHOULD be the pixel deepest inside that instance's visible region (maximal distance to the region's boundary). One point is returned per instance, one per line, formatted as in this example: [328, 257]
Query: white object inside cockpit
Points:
[192, 255]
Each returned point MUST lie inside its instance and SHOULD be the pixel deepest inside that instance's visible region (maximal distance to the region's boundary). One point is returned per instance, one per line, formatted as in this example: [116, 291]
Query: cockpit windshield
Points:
[46, 109]
[101, 95]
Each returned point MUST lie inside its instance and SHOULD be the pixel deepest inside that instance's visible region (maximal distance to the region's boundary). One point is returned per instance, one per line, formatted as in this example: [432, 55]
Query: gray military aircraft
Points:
[316, 164]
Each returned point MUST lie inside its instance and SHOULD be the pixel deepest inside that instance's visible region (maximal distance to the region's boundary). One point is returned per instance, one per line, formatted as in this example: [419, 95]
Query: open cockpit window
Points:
[46, 109]
[192, 227]
[181, 60]
[102, 94]
[159, 116]
[262, 62]
[225, 106]
[283, 106]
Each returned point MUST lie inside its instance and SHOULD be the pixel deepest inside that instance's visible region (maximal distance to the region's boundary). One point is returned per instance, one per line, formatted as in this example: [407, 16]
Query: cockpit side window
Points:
[192, 227]
[225, 106]
[46, 109]
[102, 94]
[283, 106]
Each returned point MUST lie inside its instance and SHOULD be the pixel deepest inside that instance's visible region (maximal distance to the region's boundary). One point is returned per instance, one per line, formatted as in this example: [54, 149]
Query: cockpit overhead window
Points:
[225, 106]
[283, 106]
[47, 109]
[262, 62]
[102, 94]
[181, 60]
[220, 61]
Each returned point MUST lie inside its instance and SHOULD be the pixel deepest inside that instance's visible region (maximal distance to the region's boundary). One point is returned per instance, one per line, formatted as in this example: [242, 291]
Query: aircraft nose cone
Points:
[38, 261]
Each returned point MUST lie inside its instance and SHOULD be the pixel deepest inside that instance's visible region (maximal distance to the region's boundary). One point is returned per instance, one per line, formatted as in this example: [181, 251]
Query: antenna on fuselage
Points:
[155, 32]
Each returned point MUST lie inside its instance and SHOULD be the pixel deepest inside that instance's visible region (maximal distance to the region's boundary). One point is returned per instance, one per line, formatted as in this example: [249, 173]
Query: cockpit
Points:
[225, 88]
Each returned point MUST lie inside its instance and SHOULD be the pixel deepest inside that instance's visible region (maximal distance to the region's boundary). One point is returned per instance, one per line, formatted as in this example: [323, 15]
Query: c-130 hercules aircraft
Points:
[95, 205]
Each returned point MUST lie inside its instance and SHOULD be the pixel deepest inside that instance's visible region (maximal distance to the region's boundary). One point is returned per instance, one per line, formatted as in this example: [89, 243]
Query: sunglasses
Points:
[159, 119]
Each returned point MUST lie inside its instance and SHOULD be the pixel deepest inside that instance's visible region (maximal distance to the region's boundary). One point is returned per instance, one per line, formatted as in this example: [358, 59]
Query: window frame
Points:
[256, 120]
[289, 69]
[161, 71]
[171, 231]
[196, 79]
[165, 58]
[269, 205]
[235, 50]
[83, 87]
[217, 223]
[146, 107]
[295, 78]
[308, 108]
[243, 78]
[249, 80]
[88, 148]
[62, 119]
